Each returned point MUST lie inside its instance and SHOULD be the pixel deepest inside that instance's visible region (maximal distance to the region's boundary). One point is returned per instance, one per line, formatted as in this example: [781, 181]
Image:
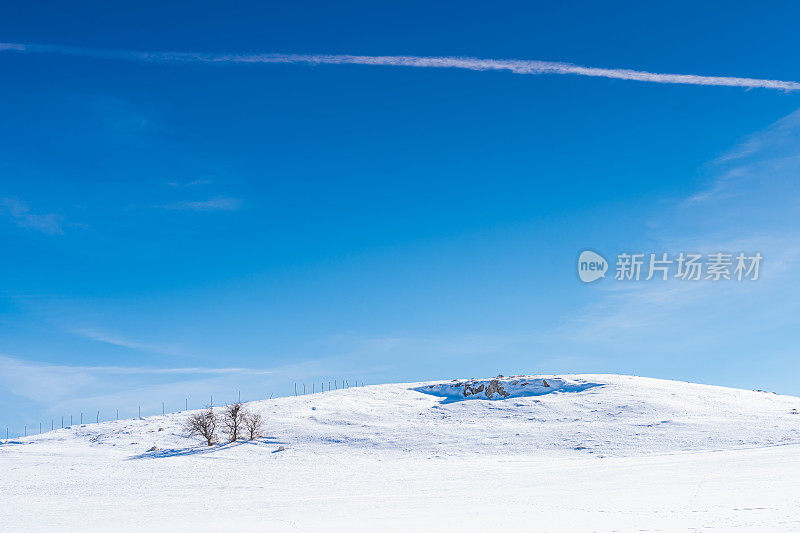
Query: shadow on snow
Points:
[204, 450]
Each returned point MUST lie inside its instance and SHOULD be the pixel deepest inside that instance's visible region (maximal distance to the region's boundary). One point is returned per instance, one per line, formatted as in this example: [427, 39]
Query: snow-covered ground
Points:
[544, 453]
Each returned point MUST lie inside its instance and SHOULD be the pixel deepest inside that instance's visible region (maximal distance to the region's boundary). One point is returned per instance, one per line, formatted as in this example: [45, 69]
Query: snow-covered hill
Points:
[611, 451]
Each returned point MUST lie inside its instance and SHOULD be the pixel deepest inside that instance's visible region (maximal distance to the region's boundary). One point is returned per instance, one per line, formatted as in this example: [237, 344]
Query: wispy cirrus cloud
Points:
[123, 342]
[769, 157]
[57, 386]
[129, 370]
[7, 363]
[192, 183]
[41, 391]
[517, 66]
[218, 203]
[446, 345]
[751, 205]
[20, 213]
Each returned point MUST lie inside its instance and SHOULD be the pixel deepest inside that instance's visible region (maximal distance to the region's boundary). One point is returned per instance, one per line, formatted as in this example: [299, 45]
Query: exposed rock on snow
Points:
[502, 387]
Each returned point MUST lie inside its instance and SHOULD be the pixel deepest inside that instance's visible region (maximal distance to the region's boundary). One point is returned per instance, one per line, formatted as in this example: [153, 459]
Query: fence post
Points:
[98, 417]
[295, 389]
[304, 388]
[81, 419]
[140, 411]
[117, 418]
[187, 404]
[240, 396]
[162, 409]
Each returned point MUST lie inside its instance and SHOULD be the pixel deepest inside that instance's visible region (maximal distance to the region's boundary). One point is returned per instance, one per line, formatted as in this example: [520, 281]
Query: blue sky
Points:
[178, 229]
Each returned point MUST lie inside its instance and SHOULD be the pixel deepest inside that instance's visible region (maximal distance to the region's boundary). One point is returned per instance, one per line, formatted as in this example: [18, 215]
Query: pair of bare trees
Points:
[239, 422]
[235, 420]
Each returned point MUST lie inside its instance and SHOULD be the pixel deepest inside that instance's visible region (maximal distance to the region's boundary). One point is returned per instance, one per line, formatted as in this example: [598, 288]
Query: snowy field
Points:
[546, 453]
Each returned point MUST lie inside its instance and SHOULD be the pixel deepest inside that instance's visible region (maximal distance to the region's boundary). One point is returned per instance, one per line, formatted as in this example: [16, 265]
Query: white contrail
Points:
[517, 66]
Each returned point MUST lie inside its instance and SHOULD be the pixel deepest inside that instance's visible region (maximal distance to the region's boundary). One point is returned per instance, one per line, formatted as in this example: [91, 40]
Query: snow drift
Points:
[606, 415]
[610, 452]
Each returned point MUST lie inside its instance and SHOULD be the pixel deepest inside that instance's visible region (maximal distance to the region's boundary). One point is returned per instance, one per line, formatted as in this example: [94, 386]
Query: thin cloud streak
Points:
[218, 203]
[7, 362]
[180, 185]
[517, 66]
[47, 389]
[52, 389]
[116, 340]
[180, 370]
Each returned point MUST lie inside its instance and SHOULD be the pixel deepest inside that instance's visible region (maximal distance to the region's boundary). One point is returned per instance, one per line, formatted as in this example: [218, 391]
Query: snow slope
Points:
[542, 453]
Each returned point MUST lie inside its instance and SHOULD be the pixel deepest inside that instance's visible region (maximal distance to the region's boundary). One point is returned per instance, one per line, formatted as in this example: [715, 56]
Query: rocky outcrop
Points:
[502, 387]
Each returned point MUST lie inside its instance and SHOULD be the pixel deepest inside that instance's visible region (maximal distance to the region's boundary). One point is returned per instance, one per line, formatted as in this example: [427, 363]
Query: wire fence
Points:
[300, 389]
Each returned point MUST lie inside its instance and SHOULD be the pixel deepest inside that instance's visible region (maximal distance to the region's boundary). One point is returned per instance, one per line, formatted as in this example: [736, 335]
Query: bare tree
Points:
[254, 425]
[203, 424]
[235, 415]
